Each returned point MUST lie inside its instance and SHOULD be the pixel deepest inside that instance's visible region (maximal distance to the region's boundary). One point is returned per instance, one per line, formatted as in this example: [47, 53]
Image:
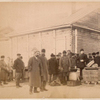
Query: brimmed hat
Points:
[43, 50]
[81, 49]
[64, 51]
[18, 54]
[52, 55]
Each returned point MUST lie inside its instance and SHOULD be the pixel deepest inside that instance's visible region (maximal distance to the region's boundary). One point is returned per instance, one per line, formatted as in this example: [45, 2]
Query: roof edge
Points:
[42, 30]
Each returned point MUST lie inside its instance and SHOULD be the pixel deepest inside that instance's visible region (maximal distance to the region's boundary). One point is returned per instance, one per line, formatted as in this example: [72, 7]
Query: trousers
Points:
[18, 77]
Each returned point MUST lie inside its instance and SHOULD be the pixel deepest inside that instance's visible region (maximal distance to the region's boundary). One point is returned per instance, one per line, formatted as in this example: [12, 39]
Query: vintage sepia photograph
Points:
[49, 50]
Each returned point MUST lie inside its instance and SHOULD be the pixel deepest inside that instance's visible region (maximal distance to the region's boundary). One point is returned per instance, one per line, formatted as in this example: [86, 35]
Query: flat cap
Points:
[64, 51]
[18, 54]
[81, 49]
[43, 50]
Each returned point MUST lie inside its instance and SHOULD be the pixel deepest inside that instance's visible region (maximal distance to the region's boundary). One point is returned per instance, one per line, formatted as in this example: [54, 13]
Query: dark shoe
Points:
[19, 85]
[45, 89]
[36, 91]
[5, 83]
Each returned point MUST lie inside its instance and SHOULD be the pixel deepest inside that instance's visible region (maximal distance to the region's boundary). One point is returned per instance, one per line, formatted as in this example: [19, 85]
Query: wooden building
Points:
[80, 30]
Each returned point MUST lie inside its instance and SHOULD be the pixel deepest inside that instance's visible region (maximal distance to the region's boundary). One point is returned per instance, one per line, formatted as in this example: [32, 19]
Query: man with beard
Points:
[44, 69]
[35, 72]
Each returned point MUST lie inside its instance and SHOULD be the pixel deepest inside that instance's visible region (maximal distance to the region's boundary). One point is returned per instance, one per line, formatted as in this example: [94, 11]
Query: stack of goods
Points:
[73, 78]
[90, 74]
[86, 75]
[99, 73]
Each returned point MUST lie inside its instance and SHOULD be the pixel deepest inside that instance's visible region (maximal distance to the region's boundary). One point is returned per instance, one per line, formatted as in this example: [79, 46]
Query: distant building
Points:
[80, 30]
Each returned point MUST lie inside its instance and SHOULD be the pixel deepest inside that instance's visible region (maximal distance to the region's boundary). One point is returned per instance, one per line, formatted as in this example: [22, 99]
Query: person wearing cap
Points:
[93, 55]
[64, 66]
[4, 70]
[35, 72]
[52, 68]
[97, 59]
[82, 62]
[18, 66]
[23, 71]
[45, 70]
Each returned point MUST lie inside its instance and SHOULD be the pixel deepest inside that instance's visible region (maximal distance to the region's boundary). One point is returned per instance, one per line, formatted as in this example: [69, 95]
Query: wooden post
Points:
[54, 37]
[75, 40]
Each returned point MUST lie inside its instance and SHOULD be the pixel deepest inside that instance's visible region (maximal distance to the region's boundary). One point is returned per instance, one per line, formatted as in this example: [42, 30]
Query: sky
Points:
[22, 17]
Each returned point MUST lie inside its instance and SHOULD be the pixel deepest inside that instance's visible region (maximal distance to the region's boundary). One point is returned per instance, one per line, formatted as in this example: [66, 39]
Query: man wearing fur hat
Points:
[35, 72]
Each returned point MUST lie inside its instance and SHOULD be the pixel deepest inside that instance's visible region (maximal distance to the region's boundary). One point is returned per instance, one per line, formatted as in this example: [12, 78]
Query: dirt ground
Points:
[82, 91]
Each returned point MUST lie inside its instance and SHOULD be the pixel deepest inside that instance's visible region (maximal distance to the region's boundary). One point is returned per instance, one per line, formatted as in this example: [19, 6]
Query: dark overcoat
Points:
[73, 62]
[52, 66]
[84, 58]
[44, 67]
[35, 72]
[4, 70]
[18, 65]
[97, 60]
[64, 63]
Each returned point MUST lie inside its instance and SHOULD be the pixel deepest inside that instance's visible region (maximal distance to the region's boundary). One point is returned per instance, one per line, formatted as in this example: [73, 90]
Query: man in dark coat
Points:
[45, 69]
[73, 61]
[65, 66]
[82, 62]
[18, 66]
[4, 70]
[97, 59]
[35, 72]
[52, 67]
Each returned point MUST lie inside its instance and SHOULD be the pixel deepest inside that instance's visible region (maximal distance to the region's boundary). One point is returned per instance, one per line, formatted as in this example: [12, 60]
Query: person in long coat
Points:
[82, 62]
[35, 72]
[65, 66]
[52, 68]
[45, 70]
[4, 70]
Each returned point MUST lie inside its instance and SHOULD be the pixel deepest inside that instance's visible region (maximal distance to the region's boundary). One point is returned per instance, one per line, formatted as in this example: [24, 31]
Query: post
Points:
[75, 40]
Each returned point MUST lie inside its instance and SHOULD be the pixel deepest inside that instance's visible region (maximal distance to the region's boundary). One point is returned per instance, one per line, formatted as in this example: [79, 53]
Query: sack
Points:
[90, 63]
[73, 83]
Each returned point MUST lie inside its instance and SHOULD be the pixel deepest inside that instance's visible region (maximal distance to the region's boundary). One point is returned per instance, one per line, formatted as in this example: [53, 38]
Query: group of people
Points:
[42, 70]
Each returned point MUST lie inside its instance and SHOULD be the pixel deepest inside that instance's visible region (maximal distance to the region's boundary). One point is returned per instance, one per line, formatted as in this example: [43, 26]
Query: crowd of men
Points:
[42, 70]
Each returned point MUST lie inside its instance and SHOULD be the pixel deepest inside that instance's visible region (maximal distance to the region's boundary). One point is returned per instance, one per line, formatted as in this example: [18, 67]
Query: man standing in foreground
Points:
[44, 62]
[18, 66]
[35, 72]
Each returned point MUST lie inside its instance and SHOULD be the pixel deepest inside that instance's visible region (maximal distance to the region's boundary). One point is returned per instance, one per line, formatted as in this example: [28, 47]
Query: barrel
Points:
[73, 76]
